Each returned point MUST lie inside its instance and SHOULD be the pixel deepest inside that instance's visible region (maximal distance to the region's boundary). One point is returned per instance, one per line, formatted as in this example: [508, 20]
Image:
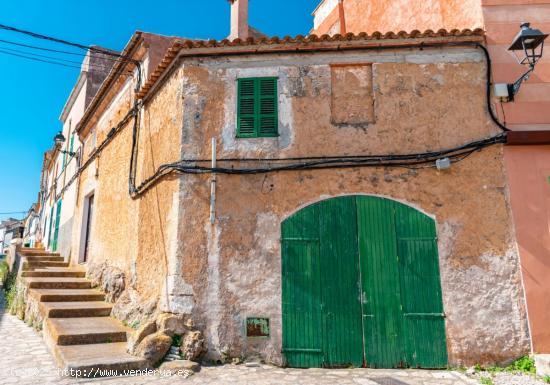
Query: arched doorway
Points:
[361, 286]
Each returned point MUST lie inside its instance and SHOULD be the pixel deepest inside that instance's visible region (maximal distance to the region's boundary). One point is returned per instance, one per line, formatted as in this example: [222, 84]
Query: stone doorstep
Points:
[57, 283]
[44, 258]
[66, 295]
[38, 252]
[75, 309]
[88, 330]
[93, 357]
[31, 265]
[54, 272]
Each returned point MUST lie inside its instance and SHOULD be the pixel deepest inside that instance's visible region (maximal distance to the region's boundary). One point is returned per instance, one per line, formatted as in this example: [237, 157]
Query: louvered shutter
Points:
[257, 114]
[246, 110]
[268, 107]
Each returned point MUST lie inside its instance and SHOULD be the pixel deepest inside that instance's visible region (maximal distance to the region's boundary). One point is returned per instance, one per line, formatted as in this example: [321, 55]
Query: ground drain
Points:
[388, 381]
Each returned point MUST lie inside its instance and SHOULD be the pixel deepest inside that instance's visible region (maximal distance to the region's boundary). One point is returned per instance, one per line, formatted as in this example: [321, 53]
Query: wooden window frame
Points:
[257, 116]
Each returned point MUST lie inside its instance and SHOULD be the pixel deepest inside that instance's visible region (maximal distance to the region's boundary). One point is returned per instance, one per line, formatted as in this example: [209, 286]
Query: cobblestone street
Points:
[26, 360]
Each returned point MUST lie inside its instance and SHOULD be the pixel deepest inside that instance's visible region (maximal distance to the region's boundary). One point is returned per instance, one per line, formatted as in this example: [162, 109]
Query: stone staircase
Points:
[76, 323]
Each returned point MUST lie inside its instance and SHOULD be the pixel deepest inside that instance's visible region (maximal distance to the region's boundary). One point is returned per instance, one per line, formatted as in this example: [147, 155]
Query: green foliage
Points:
[523, 365]
[4, 270]
[546, 379]
[10, 288]
[486, 381]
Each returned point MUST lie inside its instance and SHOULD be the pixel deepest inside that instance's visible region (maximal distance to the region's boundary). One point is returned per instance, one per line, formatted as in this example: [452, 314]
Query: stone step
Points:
[95, 358]
[44, 258]
[31, 252]
[58, 283]
[25, 250]
[75, 309]
[89, 330]
[54, 272]
[65, 295]
[28, 265]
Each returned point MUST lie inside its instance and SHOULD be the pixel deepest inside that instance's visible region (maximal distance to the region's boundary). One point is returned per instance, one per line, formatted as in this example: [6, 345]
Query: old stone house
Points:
[314, 201]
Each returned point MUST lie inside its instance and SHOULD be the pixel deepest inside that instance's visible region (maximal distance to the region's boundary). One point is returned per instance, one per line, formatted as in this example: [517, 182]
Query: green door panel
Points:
[382, 315]
[423, 316]
[361, 286]
[302, 332]
[343, 342]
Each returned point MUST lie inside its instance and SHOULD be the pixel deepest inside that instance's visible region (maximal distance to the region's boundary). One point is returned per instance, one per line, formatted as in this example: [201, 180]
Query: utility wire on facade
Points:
[65, 42]
[50, 59]
[190, 166]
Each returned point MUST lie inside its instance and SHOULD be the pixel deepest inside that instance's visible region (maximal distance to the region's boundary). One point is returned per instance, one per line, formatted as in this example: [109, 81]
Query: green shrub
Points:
[524, 365]
[486, 381]
[546, 379]
[4, 271]
[10, 288]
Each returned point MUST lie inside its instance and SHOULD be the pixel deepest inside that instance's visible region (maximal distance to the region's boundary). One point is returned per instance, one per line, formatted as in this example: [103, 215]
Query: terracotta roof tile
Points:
[301, 42]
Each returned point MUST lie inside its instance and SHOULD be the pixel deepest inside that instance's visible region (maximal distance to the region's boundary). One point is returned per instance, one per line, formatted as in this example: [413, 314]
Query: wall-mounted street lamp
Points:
[527, 47]
[59, 139]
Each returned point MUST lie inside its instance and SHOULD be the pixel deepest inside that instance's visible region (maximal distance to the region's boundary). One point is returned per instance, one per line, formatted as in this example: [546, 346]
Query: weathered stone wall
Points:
[130, 239]
[423, 101]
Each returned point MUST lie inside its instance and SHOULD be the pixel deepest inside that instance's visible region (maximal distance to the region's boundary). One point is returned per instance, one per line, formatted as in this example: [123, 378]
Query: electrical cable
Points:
[52, 59]
[488, 89]
[407, 160]
[55, 50]
[66, 42]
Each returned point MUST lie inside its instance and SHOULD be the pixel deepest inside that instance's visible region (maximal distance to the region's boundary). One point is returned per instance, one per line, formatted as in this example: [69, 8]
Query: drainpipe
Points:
[213, 185]
[342, 17]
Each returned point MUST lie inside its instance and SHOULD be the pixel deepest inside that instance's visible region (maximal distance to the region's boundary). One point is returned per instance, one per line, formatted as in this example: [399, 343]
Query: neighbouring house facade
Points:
[5, 226]
[527, 167]
[62, 161]
[31, 223]
[290, 265]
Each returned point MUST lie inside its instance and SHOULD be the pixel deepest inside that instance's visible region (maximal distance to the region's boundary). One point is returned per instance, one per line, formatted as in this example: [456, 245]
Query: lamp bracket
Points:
[513, 88]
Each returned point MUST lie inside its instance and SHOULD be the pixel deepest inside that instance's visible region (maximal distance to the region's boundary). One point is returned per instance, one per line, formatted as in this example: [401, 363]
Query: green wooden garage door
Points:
[361, 286]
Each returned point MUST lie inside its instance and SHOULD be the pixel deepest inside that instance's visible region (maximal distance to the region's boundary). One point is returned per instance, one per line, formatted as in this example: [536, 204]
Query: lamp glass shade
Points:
[527, 38]
[59, 138]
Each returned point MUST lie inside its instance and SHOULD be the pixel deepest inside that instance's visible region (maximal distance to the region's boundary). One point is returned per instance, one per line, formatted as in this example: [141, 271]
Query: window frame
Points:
[257, 98]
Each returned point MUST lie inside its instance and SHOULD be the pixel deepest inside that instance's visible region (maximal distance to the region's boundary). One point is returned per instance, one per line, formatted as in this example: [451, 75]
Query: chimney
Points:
[239, 20]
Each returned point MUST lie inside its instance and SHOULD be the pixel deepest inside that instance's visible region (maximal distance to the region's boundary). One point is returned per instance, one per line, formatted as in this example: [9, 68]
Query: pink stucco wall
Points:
[528, 167]
[406, 15]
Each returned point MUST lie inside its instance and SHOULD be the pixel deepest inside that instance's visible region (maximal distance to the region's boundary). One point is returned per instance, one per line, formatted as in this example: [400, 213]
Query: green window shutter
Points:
[71, 143]
[257, 114]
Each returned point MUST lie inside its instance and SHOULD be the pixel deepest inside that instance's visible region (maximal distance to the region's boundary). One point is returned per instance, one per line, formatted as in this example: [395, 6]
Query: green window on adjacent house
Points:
[71, 145]
[56, 229]
[257, 110]
[50, 228]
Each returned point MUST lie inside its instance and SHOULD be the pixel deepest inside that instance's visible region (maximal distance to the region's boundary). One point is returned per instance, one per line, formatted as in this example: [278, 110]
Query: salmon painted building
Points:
[320, 201]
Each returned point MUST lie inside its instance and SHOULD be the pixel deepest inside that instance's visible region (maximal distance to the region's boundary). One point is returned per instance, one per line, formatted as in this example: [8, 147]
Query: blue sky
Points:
[33, 94]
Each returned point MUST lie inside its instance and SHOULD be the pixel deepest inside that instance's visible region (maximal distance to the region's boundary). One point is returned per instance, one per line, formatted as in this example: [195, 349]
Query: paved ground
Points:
[25, 360]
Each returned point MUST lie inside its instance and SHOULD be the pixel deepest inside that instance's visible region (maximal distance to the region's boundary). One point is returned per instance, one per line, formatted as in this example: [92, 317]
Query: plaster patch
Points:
[212, 294]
